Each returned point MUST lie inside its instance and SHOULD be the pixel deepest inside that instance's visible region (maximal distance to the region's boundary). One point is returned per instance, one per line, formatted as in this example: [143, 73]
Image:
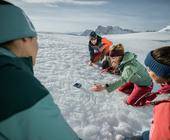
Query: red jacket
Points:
[101, 48]
[160, 129]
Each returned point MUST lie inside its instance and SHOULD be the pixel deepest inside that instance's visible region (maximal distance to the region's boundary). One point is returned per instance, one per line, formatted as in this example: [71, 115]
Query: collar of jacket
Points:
[163, 94]
[9, 58]
[127, 58]
[165, 89]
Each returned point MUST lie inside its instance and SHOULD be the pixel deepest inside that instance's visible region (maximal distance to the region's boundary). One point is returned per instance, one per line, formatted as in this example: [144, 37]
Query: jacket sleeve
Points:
[46, 121]
[41, 120]
[106, 45]
[125, 77]
[115, 85]
[91, 50]
[2, 137]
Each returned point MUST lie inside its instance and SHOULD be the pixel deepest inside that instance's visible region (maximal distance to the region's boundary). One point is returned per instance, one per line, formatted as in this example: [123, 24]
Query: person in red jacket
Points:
[158, 64]
[98, 48]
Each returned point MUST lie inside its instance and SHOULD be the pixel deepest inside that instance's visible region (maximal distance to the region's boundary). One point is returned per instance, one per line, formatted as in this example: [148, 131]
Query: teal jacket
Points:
[27, 110]
[131, 71]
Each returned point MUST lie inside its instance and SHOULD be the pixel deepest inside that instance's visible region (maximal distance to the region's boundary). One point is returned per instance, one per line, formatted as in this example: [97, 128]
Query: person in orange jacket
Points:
[158, 63]
[98, 48]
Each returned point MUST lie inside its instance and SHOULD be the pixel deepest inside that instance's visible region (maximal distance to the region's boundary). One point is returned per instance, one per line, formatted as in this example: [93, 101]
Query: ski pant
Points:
[137, 94]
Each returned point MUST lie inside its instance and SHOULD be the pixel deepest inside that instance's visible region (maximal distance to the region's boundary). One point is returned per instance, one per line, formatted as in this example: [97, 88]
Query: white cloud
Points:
[80, 2]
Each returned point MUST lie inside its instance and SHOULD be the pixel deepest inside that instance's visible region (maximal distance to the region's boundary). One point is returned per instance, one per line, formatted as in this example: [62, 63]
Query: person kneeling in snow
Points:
[134, 80]
[158, 63]
[27, 110]
[98, 48]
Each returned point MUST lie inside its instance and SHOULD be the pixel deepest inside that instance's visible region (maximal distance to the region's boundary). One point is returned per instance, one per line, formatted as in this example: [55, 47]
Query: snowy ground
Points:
[62, 61]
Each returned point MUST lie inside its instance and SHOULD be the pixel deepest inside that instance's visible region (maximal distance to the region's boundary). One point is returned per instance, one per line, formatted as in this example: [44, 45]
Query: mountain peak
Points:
[166, 29]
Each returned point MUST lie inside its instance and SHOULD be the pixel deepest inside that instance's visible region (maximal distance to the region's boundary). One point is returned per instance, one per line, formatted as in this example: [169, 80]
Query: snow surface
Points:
[166, 29]
[62, 61]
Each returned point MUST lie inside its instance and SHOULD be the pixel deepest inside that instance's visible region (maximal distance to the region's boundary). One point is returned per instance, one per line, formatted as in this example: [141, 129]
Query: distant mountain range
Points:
[101, 30]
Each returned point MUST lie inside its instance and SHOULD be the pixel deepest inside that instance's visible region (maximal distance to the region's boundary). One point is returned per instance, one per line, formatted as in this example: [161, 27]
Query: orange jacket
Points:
[100, 49]
[106, 45]
[160, 129]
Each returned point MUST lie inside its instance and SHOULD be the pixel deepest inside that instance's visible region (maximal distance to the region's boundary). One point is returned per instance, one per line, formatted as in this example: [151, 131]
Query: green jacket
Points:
[27, 110]
[131, 71]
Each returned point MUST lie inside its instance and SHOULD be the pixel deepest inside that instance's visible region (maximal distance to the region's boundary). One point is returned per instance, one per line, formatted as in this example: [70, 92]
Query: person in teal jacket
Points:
[27, 110]
[134, 79]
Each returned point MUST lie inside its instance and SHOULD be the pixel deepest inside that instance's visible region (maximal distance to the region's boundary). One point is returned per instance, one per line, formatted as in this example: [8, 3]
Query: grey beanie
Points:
[14, 24]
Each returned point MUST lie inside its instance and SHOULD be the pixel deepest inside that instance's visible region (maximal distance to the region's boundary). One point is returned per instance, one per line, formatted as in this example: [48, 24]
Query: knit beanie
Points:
[159, 69]
[14, 23]
[116, 50]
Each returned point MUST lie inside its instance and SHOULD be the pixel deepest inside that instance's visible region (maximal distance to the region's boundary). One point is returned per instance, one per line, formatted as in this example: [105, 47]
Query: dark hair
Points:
[6, 43]
[162, 55]
[93, 34]
[2, 2]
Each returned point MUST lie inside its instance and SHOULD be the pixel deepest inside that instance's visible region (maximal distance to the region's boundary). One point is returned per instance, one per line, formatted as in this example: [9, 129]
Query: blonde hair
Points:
[116, 50]
[117, 47]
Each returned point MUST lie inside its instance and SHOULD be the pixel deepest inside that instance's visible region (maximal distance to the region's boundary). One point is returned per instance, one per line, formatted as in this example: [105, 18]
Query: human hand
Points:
[104, 70]
[97, 88]
[125, 101]
[101, 49]
[90, 63]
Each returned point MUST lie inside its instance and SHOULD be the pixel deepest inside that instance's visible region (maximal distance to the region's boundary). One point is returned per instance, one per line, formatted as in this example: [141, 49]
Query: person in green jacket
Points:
[134, 79]
[27, 110]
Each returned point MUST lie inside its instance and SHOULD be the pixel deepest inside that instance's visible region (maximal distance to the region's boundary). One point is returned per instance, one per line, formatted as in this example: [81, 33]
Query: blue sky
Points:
[78, 15]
